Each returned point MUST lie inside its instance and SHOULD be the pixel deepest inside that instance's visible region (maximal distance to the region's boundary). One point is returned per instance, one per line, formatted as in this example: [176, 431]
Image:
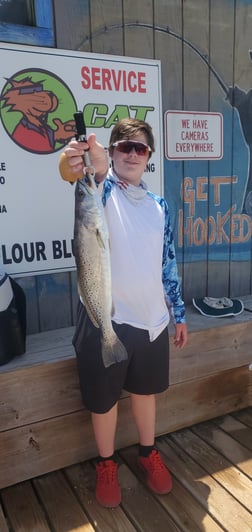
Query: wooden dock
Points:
[41, 406]
[211, 465]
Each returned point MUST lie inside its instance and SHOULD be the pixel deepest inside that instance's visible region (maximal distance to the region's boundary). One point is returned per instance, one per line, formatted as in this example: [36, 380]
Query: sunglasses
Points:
[126, 146]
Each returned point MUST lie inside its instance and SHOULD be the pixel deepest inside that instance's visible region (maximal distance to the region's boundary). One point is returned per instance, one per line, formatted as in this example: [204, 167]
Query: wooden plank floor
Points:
[211, 465]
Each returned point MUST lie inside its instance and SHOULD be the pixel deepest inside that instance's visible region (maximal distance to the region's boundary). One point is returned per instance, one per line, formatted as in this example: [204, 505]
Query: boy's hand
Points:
[71, 164]
[181, 335]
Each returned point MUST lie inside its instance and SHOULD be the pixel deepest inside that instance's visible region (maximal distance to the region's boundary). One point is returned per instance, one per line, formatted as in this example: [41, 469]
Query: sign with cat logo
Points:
[40, 91]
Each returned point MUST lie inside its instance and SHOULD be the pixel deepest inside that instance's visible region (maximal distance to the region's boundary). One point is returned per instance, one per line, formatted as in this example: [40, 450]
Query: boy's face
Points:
[130, 166]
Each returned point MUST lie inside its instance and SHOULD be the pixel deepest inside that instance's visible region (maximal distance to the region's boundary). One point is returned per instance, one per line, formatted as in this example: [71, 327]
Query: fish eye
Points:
[81, 191]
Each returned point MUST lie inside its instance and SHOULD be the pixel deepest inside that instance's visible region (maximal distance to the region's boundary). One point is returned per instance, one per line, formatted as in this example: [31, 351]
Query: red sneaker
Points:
[158, 477]
[108, 492]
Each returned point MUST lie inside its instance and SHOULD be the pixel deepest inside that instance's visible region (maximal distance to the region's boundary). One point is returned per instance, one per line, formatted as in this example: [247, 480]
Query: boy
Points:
[145, 291]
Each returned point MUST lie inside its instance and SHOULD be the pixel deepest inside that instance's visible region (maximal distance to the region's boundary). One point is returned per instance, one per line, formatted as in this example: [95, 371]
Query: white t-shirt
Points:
[136, 230]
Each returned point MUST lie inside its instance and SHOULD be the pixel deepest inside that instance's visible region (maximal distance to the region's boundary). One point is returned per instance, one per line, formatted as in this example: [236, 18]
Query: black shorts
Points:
[145, 372]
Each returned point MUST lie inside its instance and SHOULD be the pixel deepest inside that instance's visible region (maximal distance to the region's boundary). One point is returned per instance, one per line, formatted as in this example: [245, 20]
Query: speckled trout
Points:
[91, 249]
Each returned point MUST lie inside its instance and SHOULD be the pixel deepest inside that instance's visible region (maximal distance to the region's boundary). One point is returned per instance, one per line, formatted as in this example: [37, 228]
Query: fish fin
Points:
[113, 353]
[100, 240]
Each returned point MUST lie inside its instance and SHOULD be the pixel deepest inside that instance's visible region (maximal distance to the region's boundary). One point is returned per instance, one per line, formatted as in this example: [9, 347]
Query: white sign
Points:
[193, 135]
[41, 89]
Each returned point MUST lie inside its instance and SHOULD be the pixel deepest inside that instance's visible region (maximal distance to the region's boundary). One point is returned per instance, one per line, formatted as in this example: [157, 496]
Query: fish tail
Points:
[113, 353]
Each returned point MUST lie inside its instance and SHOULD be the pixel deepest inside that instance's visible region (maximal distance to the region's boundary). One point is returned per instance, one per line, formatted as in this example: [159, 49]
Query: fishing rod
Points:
[168, 31]
[204, 57]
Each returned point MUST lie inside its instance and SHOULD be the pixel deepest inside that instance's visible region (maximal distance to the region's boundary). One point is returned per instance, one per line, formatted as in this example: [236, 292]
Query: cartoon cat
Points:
[35, 103]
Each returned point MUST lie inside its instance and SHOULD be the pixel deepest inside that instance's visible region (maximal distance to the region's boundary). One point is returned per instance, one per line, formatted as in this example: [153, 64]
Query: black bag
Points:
[12, 319]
